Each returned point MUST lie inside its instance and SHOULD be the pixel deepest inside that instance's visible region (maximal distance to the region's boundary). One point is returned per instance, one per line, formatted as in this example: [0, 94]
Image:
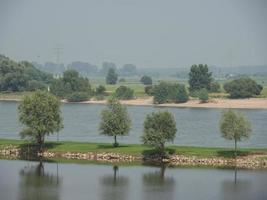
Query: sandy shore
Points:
[251, 103]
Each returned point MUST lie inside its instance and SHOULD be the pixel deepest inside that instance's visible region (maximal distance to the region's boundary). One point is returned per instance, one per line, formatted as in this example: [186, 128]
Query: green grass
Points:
[136, 149]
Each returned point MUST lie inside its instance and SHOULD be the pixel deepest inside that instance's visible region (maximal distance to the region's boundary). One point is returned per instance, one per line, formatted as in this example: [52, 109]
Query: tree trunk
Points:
[235, 148]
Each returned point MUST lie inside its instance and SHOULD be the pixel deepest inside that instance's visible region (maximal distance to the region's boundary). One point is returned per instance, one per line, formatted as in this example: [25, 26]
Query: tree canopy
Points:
[124, 93]
[115, 120]
[234, 126]
[70, 82]
[199, 77]
[146, 80]
[21, 76]
[159, 128]
[242, 88]
[111, 77]
[169, 92]
[40, 113]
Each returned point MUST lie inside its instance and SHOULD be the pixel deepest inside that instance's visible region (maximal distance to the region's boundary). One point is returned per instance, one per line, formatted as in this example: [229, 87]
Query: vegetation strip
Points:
[188, 156]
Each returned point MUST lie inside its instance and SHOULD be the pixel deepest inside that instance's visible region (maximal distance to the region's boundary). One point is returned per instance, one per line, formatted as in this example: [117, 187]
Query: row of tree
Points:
[159, 127]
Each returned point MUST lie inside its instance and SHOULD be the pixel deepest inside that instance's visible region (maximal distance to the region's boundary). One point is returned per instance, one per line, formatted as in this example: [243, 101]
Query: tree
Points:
[234, 126]
[242, 88]
[215, 87]
[70, 82]
[203, 95]
[111, 77]
[115, 120]
[199, 77]
[159, 128]
[124, 93]
[100, 90]
[169, 92]
[40, 113]
[146, 80]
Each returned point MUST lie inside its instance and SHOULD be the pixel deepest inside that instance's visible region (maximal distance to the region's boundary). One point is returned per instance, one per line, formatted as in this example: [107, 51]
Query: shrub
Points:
[78, 97]
[124, 93]
[149, 90]
[242, 88]
[160, 93]
[122, 80]
[167, 92]
[177, 93]
[100, 90]
[146, 80]
[215, 87]
[203, 95]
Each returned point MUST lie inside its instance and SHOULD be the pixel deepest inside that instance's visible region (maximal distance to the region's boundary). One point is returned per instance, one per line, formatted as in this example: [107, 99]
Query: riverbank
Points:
[126, 153]
[250, 103]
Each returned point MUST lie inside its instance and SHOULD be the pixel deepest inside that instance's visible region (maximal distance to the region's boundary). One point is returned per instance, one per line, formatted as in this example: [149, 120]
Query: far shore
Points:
[249, 103]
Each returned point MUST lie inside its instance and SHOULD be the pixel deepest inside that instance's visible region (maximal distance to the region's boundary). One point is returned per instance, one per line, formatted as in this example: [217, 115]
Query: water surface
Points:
[25, 180]
[196, 126]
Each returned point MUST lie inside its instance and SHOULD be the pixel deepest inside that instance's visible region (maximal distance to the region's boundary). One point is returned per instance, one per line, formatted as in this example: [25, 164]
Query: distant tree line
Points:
[21, 76]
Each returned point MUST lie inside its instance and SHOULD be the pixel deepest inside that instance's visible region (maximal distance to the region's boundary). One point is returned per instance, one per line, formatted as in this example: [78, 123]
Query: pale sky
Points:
[147, 33]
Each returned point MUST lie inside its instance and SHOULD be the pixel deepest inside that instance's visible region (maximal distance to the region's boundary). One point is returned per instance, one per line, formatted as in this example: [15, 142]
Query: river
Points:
[27, 180]
[196, 126]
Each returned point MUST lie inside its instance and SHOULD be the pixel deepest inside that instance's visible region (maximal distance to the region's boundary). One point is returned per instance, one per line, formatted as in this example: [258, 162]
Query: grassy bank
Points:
[136, 149]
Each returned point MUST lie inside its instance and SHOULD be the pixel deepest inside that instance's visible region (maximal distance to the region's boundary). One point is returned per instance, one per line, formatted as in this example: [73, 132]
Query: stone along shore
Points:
[243, 162]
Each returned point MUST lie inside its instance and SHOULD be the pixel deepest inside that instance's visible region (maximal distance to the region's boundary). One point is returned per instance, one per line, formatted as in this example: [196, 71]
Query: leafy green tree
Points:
[242, 88]
[199, 77]
[234, 126]
[203, 95]
[149, 90]
[111, 77]
[40, 113]
[146, 80]
[215, 87]
[160, 93]
[100, 90]
[115, 120]
[159, 128]
[177, 93]
[124, 93]
[70, 82]
[168, 92]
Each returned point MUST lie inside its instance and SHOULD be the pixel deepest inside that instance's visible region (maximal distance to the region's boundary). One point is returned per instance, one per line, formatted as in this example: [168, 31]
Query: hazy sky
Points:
[147, 33]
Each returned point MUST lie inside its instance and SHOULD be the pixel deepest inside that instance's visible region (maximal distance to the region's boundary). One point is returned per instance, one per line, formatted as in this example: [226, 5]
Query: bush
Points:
[203, 95]
[215, 87]
[160, 93]
[34, 85]
[177, 93]
[122, 80]
[100, 90]
[149, 90]
[146, 80]
[124, 93]
[167, 92]
[78, 97]
[242, 88]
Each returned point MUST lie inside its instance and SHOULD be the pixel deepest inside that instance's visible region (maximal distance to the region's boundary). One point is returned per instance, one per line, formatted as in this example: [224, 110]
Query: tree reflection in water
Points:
[35, 183]
[236, 188]
[114, 186]
[157, 186]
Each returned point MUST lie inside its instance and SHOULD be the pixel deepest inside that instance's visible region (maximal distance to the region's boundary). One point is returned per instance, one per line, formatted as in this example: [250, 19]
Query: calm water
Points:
[22, 180]
[196, 126]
